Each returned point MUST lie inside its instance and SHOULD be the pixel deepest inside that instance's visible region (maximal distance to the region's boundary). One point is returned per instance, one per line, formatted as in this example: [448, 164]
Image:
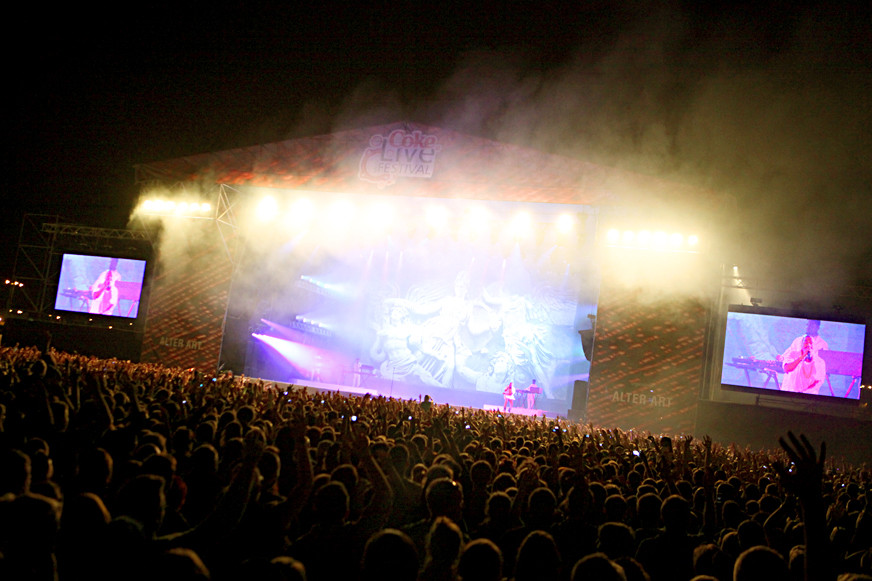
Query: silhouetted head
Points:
[597, 566]
[759, 564]
[538, 558]
[332, 502]
[481, 559]
[445, 498]
[389, 555]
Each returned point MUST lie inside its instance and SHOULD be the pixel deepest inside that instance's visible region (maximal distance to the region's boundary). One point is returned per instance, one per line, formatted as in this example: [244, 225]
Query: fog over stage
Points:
[496, 294]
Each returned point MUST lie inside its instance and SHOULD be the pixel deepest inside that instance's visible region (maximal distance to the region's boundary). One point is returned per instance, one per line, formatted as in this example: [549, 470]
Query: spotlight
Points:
[437, 217]
[565, 223]
[266, 209]
[341, 213]
[301, 211]
[476, 222]
[644, 239]
[381, 216]
[521, 225]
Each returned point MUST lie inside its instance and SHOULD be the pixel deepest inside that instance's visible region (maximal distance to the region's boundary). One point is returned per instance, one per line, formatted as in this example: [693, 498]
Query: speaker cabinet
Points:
[587, 343]
[579, 395]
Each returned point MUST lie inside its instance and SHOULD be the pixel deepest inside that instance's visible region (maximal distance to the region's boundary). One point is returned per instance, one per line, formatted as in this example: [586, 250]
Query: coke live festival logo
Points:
[409, 154]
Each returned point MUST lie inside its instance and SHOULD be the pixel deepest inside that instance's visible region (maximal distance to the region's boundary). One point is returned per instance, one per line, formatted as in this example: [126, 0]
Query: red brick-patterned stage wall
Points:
[188, 302]
[647, 362]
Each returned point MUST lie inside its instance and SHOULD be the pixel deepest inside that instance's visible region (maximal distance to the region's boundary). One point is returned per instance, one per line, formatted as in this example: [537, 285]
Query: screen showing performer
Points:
[805, 371]
[792, 354]
[104, 291]
[100, 285]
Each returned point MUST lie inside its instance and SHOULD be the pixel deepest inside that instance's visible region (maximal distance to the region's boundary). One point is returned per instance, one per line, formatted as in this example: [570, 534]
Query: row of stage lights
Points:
[382, 215]
[652, 240]
[340, 214]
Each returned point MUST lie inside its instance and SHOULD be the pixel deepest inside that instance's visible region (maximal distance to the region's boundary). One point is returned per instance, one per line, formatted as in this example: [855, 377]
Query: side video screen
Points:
[766, 350]
[100, 285]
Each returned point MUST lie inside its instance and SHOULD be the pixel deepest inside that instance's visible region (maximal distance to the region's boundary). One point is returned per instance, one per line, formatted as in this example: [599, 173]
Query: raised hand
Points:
[298, 424]
[528, 479]
[806, 482]
[707, 448]
[360, 443]
[255, 443]
[807, 478]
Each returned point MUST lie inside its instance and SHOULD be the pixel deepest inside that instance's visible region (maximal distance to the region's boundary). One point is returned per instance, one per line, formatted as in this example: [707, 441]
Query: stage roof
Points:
[412, 159]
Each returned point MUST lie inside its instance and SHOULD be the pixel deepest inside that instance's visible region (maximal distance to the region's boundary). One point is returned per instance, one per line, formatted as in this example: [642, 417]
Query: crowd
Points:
[118, 470]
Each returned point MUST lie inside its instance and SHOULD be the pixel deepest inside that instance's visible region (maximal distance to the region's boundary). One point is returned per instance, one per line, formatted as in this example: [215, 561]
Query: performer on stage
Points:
[355, 381]
[104, 291]
[508, 397]
[804, 369]
[316, 369]
[531, 395]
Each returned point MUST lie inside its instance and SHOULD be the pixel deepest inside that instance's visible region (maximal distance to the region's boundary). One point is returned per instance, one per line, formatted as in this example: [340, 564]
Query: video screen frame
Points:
[802, 355]
[102, 285]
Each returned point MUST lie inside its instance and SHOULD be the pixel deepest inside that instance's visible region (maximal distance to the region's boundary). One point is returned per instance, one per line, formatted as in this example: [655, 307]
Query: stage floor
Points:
[516, 411]
[317, 386]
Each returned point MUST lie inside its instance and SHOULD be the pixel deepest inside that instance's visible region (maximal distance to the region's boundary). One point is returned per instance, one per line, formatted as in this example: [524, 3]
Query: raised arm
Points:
[806, 482]
[376, 513]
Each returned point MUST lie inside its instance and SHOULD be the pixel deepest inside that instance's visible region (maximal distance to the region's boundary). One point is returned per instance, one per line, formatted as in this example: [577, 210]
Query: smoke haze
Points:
[767, 108]
[765, 105]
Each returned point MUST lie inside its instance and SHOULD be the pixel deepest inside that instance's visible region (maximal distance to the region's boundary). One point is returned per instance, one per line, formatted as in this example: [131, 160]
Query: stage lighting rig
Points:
[164, 207]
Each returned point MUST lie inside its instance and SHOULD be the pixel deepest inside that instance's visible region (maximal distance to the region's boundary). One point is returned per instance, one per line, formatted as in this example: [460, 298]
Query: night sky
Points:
[767, 104]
